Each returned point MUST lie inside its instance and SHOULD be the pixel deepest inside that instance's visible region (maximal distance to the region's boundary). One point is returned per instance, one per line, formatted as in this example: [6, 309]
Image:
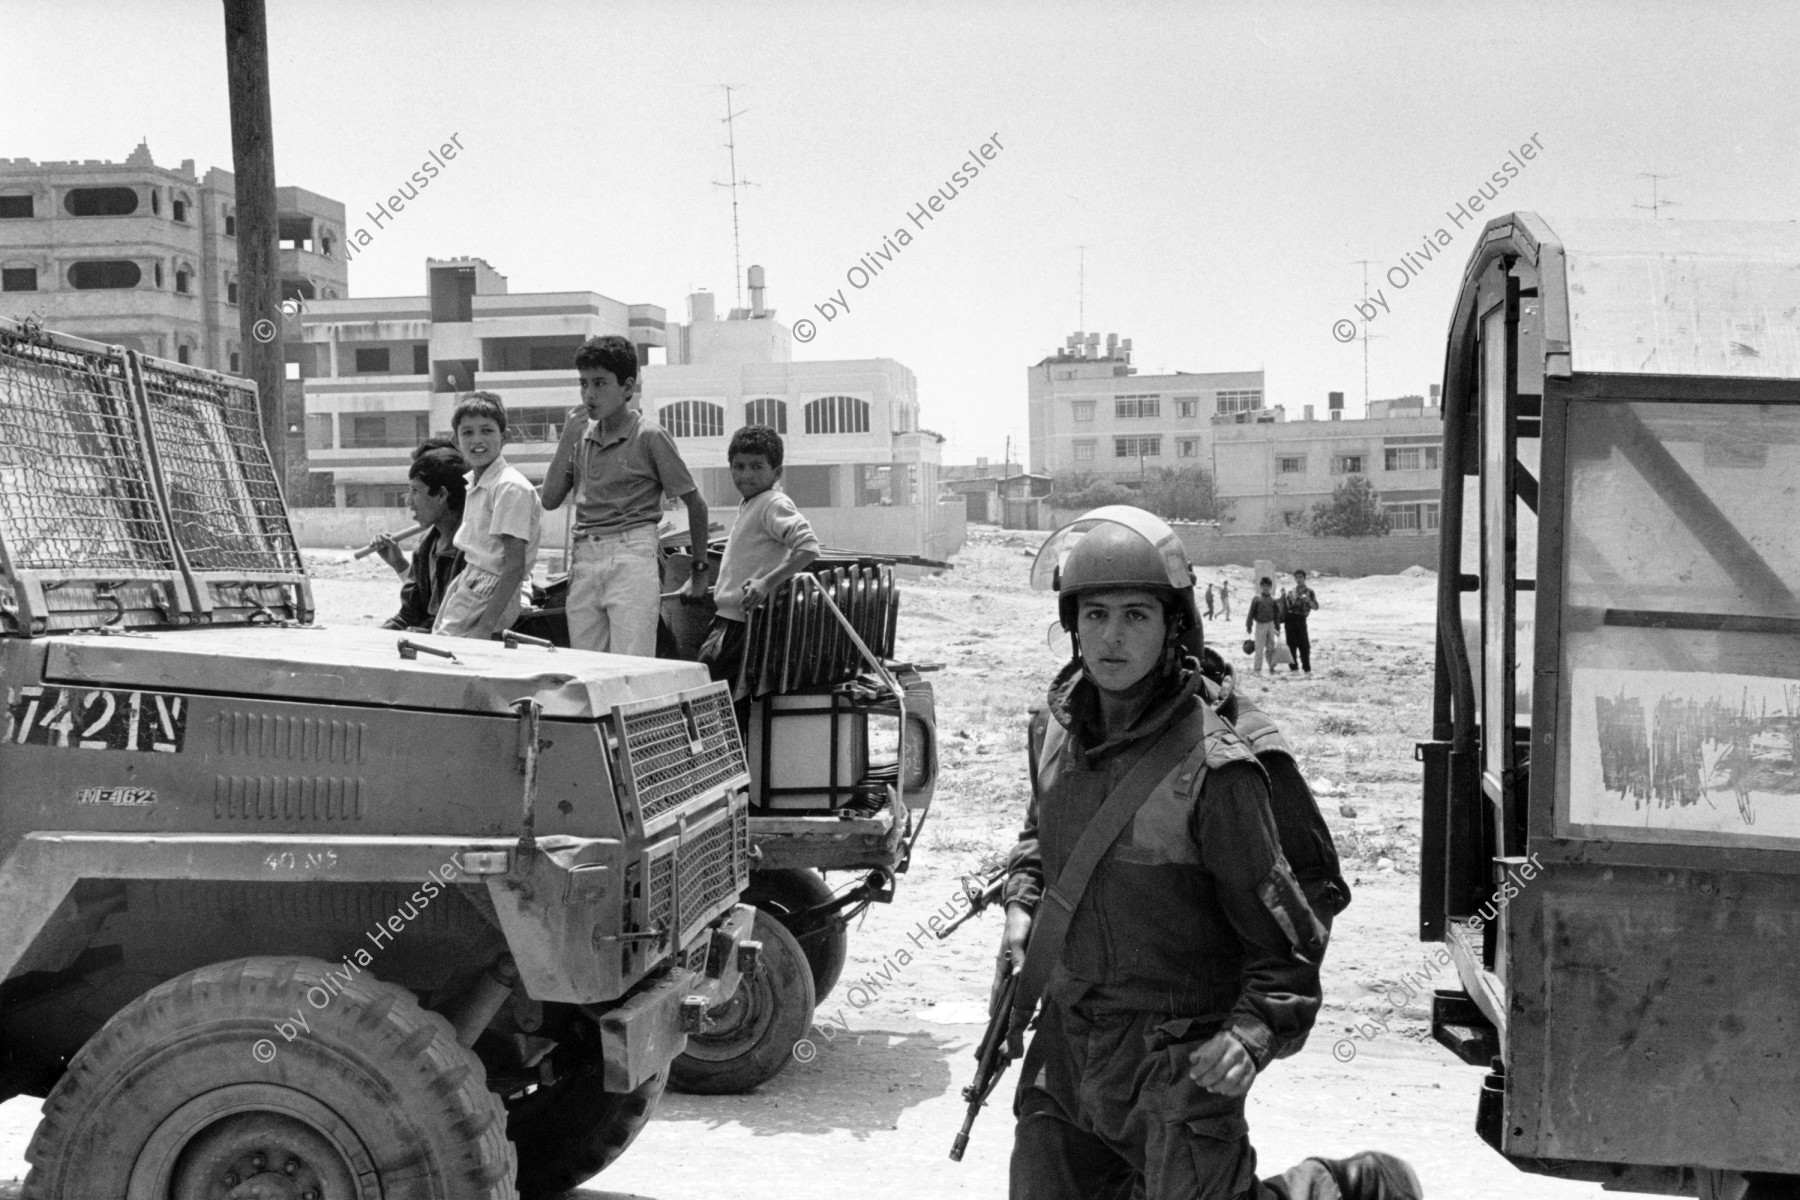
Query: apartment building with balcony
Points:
[1090, 411]
[379, 375]
[1272, 472]
[143, 256]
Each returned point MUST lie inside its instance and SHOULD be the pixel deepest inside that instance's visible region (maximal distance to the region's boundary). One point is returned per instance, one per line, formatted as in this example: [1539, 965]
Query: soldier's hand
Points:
[1221, 1065]
[1012, 950]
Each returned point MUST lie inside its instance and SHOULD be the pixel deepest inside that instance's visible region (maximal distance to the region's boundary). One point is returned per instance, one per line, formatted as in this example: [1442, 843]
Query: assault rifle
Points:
[980, 898]
[991, 1060]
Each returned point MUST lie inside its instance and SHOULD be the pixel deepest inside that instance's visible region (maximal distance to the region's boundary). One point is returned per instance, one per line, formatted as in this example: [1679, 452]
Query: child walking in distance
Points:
[499, 531]
[1260, 623]
[770, 542]
[437, 491]
[619, 469]
[1296, 604]
[1225, 598]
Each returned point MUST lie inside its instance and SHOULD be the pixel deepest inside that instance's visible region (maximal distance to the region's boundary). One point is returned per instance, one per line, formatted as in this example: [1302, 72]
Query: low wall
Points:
[937, 533]
[1351, 557]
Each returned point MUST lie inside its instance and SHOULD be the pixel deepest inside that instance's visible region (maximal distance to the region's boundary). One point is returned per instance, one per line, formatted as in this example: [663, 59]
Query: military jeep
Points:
[304, 912]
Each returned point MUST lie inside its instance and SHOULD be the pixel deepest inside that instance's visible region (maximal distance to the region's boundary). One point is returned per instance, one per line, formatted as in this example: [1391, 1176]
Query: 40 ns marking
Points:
[95, 719]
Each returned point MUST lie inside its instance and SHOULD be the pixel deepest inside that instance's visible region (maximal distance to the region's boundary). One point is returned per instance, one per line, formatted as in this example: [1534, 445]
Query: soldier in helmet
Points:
[1180, 956]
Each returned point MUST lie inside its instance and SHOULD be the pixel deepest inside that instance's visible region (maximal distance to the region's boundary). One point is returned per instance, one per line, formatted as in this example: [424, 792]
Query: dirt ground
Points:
[880, 1101]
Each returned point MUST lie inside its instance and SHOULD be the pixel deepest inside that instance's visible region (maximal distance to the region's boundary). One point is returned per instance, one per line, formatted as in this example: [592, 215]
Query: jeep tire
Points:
[192, 1090]
[755, 1031]
[789, 891]
[575, 1128]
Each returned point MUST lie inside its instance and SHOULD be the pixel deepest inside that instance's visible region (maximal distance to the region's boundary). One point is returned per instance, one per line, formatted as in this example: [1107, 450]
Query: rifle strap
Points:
[1050, 925]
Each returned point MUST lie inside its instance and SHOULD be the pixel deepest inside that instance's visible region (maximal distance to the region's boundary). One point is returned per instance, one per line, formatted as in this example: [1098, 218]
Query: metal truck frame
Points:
[1611, 843]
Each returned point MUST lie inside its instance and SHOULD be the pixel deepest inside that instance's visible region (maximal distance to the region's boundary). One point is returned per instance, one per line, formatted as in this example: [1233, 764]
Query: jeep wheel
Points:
[575, 1128]
[789, 891]
[193, 1092]
[755, 1032]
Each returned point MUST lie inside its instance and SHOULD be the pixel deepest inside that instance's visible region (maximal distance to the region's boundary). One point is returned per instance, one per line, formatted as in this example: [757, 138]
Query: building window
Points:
[156, 202]
[102, 201]
[15, 206]
[181, 280]
[235, 368]
[1138, 447]
[158, 274]
[230, 224]
[766, 410]
[837, 414]
[325, 244]
[372, 361]
[1291, 517]
[1413, 458]
[1241, 400]
[692, 418]
[108, 273]
[1137, 406]
[1187, 447]
[18, 279]
[182, 354]
[1402, 518]
[535, 424]
[1083, 410]
[1187, 407]
[422, 358]
[178, 210]
[1290, 464]
[1347, 464]
[1428, 517]
[1084, 450]
[381, 431]
[230, 290]
[318, 431]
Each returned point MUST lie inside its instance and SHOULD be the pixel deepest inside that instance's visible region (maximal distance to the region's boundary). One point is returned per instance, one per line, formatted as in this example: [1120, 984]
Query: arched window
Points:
[182, 274]
[837, 414]
[692, 418]
[230, 221]
[106, 273]
[766, 410]
[102, 201]
[231, 291]
[178, 207]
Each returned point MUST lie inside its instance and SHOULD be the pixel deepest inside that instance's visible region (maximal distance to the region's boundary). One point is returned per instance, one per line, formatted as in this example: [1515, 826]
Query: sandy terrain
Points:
[880, 1102]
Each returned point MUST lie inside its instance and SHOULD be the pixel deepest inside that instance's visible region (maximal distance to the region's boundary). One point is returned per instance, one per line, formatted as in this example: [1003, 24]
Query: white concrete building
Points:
[1090, 411]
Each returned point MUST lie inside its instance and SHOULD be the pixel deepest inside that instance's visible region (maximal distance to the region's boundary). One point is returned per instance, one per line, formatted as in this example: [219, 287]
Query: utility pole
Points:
[259, 271]
[1081, 287]
[737, 256]
[1655, 204]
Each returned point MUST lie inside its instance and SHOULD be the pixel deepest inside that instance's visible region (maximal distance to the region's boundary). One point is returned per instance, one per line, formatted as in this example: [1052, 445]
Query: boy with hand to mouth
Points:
[770, 542]
[619, 469]
[499, 531]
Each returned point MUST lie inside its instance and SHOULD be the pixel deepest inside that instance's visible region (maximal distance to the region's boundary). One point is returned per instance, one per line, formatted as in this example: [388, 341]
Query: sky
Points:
[1225, 166]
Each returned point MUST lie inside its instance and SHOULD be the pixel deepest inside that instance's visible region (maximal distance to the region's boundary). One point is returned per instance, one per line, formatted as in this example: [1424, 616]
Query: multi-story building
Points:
[1272, 472]
[143, 256]
[379, 375]
[1090, 411]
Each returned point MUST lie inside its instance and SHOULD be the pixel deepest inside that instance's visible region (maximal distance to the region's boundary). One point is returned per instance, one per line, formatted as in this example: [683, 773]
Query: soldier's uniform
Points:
[1193, 923]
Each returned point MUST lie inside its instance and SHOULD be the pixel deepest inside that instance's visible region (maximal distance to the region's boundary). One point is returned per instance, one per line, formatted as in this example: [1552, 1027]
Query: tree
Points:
[1184, 495]
[1354, 510]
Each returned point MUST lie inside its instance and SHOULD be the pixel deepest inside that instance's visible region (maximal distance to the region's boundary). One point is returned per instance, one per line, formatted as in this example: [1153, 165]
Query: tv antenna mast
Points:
[1366, 335]
[737, 254]
[1081, 287]
[1655, 204]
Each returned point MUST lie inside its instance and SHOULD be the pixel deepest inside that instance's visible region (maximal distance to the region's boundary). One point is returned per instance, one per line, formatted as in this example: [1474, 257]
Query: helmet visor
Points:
[1046, 568]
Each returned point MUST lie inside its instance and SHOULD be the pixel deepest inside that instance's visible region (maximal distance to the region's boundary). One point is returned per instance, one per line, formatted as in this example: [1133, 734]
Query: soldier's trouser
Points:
[1106, 1111]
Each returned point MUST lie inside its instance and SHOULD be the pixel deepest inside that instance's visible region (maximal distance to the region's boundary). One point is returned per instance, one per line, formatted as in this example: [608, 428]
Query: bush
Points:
[1173, 495]
[1354, 510]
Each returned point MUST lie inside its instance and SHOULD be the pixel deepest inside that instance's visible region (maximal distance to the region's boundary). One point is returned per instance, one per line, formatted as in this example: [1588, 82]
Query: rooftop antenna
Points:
[1655, 203]
[1081, 287]
[737, 256]
[1366, 335]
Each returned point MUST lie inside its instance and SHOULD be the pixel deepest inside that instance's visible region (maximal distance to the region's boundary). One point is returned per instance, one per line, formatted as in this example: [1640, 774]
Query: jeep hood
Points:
[361, 666]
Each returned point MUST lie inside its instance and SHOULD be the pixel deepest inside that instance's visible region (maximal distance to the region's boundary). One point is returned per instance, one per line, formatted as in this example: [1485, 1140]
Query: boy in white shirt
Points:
[769, 543]
[499, 531]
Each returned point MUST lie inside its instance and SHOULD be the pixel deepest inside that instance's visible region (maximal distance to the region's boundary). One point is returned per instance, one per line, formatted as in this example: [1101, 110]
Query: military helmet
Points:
[1118, 546]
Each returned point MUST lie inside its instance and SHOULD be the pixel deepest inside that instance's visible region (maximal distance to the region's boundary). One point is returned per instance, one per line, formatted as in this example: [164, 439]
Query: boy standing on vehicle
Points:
[619, 469]
[499, 531]
[769, 543]
[436, 494]
[1182, 957]
[1296, 603]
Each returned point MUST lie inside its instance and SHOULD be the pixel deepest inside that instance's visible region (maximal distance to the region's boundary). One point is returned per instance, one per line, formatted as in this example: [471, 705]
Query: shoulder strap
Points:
[1051, 925]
